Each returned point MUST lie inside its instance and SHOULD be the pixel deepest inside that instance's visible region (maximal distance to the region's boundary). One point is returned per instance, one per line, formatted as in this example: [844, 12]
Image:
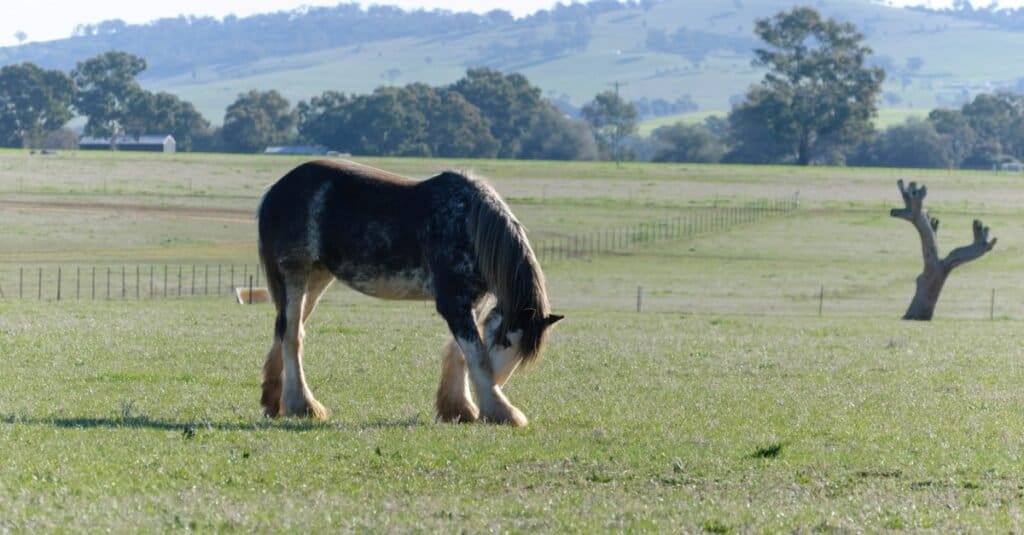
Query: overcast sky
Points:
[43, 20]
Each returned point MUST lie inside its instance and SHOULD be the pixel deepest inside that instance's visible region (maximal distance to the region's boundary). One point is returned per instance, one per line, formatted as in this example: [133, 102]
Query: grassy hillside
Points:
[958, 58]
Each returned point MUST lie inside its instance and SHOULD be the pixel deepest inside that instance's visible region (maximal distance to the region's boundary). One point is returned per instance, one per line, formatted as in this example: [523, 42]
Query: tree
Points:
[164, 113]
[998, 121]
[957, 135]
[915, 143]
[106, 84]
[33, 102]
[818, 95]
[325, 120]
[456, 128]
[509, 103]
[936, 270]
[687, 143]
[613, 119]
[553, 136]
[256, 120]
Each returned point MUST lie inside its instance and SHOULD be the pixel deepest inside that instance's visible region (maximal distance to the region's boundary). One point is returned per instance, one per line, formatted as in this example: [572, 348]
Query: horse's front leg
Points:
[494, 406]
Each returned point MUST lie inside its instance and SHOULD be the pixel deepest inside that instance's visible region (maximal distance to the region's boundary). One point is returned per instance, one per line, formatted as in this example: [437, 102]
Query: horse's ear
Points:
[552, 319]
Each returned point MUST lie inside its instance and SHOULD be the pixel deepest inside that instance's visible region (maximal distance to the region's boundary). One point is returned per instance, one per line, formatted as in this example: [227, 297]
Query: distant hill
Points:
[694, 55]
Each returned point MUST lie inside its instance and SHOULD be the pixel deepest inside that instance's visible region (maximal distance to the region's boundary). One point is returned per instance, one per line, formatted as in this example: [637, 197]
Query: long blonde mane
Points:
[509, 267]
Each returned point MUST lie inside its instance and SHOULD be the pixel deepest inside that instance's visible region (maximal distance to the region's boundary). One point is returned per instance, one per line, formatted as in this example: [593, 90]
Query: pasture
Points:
[728, 405]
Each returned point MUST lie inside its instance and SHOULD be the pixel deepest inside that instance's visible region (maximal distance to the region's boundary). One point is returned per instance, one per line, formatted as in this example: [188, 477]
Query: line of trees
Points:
[815, 105]
[485, 114]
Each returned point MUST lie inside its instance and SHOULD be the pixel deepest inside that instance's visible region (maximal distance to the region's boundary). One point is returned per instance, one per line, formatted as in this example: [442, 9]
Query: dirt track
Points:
[229, 215]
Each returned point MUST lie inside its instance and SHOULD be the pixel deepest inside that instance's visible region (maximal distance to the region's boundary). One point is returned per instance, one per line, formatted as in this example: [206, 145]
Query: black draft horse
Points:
[449, 238]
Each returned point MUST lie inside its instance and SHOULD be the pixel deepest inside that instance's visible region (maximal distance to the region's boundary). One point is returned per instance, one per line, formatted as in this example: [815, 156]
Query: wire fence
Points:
[137, 281]
[695, 222]
[993, 303]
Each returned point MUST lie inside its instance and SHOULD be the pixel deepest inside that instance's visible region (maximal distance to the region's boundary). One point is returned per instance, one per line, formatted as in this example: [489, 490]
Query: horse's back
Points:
[367, 226]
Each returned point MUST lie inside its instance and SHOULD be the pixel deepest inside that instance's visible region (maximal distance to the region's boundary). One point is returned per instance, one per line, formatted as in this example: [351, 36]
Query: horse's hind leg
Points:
[454, 403]
[296, 398]
[274, 365]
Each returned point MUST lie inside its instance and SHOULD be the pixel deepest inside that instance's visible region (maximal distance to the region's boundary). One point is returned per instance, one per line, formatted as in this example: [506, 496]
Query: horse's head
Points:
[507, 351]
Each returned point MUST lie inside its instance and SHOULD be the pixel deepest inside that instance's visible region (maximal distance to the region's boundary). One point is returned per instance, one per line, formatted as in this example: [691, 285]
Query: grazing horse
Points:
[449, 238]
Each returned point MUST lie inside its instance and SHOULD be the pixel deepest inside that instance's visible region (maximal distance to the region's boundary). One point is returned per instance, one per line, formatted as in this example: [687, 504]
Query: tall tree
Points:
[257, 119]
[106, 85]
[818, 95]
[33, 101]
[613, 119]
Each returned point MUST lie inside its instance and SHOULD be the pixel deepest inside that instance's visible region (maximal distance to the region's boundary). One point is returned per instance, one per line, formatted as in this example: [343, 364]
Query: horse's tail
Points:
[509, 267]
[274, 277]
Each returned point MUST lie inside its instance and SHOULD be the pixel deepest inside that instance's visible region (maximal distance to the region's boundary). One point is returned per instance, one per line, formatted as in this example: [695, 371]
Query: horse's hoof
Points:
[463, 414]
[317, 411]
[507, 415]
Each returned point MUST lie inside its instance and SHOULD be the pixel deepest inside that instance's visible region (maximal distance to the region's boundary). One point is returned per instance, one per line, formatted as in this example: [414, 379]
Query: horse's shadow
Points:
[191, 426]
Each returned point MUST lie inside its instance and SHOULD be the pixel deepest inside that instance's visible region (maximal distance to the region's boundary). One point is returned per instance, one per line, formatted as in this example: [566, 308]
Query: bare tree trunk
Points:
[936, 270]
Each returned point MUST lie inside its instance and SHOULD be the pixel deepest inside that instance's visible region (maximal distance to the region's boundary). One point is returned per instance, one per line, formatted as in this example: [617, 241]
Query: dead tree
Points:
[930, 281]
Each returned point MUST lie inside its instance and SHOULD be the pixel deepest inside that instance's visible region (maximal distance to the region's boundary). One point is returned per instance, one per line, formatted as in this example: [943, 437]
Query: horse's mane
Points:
[509, 267]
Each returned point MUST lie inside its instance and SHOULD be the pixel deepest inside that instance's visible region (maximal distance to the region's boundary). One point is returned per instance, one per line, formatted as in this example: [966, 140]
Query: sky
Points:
[44, 20]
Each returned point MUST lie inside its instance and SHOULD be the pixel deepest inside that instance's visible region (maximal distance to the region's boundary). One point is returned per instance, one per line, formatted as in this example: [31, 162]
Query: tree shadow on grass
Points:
[191, 426]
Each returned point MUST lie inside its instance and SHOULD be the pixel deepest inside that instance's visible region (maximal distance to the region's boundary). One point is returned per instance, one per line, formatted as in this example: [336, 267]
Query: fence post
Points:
[138, 281]
[124, 289]
[992, 306]
[165, 281]
[21, 282]
[108, 282]
[206, 279]
[821, 299]
[639, 298]
[78, 283]
[193, 279]
[58, 282]
[179, 280]
[94, 283]
[220, 288]
[250, 289]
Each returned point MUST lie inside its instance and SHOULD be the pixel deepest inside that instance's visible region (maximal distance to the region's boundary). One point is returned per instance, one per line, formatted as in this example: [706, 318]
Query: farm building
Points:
[145, 143]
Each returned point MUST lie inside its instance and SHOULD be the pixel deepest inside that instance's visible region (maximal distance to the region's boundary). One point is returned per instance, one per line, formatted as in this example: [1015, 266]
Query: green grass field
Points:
[727, 405]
